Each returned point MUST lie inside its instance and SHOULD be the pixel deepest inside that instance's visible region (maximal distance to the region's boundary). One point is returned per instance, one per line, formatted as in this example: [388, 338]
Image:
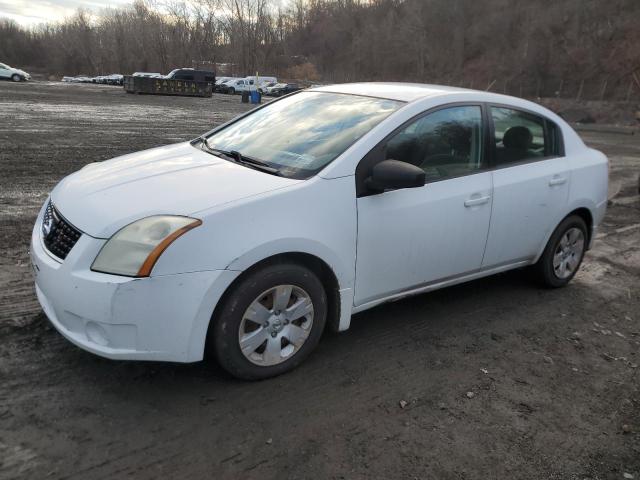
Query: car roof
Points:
[406, 92]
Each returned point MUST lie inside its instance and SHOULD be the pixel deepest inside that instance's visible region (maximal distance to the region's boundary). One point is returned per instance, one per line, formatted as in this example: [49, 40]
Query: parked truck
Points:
[246, 84]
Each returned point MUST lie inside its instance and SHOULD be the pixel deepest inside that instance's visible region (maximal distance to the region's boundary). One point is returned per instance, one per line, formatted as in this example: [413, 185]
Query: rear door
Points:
[531, 179]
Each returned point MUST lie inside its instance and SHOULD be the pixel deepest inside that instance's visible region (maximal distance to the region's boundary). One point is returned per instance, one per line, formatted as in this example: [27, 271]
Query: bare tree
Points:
[512, 44]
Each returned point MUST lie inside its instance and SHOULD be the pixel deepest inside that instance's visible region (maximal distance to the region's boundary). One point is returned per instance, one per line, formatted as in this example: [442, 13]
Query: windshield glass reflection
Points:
[301, 134]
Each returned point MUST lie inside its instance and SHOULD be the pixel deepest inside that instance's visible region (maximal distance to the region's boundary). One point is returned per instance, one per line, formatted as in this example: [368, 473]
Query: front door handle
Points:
[474, 201]
[557, 180]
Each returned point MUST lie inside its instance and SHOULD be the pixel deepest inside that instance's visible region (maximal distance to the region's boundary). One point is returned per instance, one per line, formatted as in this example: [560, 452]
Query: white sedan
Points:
[251, 239]
[13, 74]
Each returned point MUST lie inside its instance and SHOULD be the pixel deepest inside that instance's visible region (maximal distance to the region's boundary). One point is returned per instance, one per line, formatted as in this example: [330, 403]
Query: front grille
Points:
[59, 235]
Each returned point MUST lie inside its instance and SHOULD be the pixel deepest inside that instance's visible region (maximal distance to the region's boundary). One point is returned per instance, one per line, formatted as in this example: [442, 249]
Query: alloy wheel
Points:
[568, 253]
[276, 325]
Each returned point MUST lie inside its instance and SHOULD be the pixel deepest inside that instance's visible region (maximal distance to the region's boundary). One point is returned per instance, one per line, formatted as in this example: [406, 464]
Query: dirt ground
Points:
[554, 374]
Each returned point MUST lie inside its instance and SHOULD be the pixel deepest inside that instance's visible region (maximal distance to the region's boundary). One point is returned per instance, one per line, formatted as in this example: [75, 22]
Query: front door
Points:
[412, 237]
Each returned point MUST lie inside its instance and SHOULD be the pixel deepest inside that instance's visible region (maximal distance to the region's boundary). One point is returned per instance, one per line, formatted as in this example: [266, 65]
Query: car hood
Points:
[177, 179]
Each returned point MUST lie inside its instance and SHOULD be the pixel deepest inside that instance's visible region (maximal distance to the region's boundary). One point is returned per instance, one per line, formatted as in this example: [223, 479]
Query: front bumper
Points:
[157, 318]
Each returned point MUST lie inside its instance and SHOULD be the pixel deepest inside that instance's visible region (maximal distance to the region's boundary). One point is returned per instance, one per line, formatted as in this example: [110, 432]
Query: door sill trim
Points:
[437, 284]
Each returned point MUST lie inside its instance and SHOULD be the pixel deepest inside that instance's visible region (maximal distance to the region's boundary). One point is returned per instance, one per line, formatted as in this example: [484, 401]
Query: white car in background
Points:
[238, 85]
[260, 80]
[247, 241]
[78, 79]
[147, 74]
[246, 84]
[270, 89]
[221, 84]
[264, 86]
[14, 74]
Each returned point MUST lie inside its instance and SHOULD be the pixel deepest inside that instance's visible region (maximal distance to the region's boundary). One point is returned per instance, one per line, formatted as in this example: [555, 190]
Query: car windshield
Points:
[301, 134]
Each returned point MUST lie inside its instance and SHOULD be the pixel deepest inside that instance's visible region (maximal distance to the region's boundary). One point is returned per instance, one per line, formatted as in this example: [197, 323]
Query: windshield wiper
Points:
[237, 157]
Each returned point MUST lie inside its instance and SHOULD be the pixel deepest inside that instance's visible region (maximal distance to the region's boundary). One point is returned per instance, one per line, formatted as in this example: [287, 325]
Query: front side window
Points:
[446, 143]
[301, 134]
[521, 136]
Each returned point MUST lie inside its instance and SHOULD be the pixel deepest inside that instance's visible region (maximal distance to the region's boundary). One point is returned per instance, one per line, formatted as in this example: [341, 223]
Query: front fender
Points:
[343, 273]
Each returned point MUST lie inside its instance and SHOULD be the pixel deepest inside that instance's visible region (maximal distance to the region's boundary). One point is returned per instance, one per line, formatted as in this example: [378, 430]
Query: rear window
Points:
[522, 136]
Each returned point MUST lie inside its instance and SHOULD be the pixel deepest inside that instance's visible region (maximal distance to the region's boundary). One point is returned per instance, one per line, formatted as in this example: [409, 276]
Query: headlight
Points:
[134, 250]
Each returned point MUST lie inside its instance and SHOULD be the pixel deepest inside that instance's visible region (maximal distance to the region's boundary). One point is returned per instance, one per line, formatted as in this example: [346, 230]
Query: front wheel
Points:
[16, 78]
[270, 322]
[563, 254]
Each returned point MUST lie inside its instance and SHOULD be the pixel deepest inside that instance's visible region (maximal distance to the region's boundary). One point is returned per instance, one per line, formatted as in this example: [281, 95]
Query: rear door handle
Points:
[474, 201]
[557, 180]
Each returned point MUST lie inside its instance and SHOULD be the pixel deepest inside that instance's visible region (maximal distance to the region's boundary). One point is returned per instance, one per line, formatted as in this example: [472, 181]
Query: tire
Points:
[232, 91]
[16, 78]
[563, 254]
[267, 349]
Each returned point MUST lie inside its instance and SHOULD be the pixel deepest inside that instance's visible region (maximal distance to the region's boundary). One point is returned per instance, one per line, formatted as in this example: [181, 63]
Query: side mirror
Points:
[393, 175]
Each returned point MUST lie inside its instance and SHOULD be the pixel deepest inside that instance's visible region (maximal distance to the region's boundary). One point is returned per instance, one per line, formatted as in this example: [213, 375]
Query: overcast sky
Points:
[31, 12]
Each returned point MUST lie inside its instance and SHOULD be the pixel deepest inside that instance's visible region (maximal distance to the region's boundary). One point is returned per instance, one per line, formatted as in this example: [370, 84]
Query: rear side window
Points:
[521, 136]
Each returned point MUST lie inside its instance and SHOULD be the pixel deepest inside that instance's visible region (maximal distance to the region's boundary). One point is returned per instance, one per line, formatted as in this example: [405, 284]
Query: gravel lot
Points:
[554, 375]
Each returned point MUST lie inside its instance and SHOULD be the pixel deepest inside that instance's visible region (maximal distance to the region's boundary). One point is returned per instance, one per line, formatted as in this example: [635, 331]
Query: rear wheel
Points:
[563, 254]
[16, 78]
[270, 322]
[232, 91]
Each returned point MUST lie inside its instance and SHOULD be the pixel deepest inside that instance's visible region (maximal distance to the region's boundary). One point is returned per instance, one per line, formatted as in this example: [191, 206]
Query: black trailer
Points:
[167, 86]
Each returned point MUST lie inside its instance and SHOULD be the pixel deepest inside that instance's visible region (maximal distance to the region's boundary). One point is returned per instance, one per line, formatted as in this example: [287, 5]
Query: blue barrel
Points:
[255, 96]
